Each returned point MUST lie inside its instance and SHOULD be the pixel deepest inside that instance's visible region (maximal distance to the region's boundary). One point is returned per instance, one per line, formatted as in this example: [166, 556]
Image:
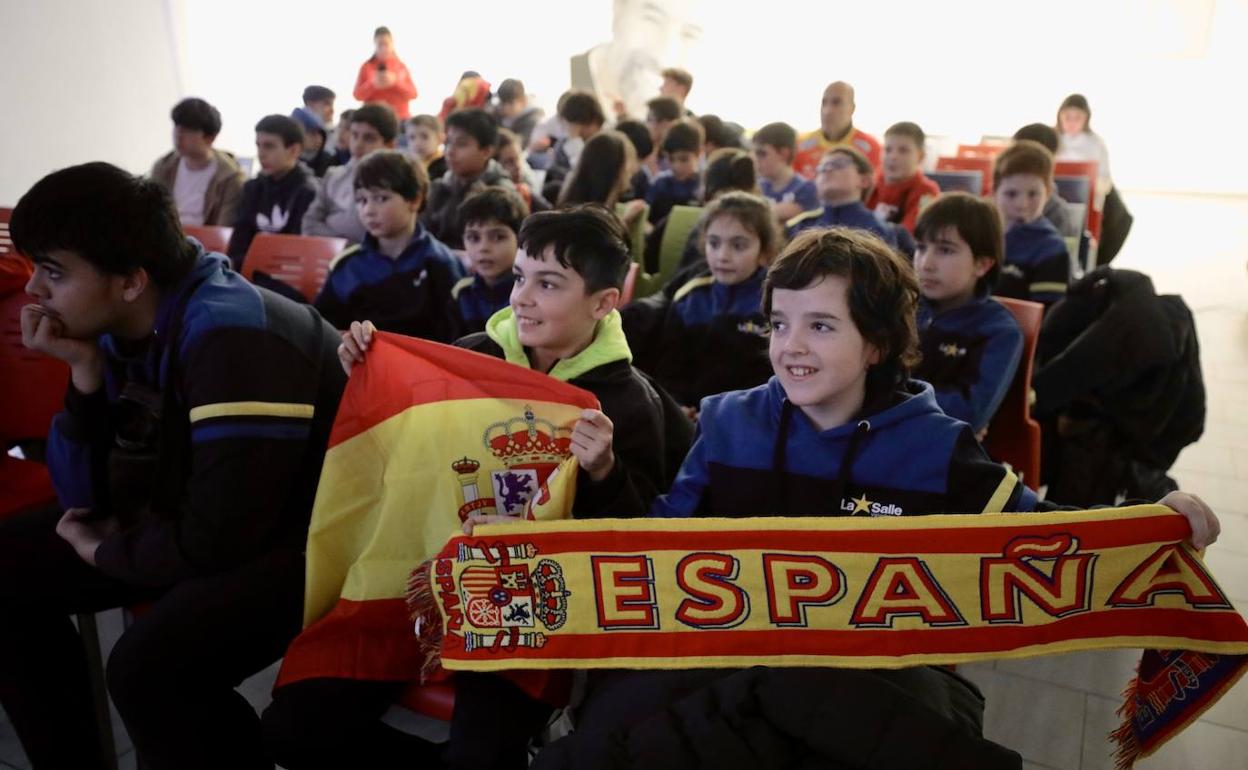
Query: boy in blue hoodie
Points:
[840, 430]
[491, 222]
[971, 345]
[186, 459]
[843, 180]
[1037, 265]
[400, 277]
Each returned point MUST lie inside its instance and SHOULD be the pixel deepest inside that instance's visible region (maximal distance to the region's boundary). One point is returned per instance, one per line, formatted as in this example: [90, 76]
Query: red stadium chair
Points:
[989, 151]
[32, 388]
[1088, 170]
[982, 165]
[300, 261]
[1013, 435]
[434, 699]
[214, 238]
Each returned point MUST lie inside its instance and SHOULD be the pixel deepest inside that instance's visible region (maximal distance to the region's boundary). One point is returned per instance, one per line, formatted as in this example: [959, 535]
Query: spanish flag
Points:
[426, 434]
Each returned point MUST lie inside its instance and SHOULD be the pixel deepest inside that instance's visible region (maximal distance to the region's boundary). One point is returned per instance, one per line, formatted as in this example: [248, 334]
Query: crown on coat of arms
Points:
[528, 439]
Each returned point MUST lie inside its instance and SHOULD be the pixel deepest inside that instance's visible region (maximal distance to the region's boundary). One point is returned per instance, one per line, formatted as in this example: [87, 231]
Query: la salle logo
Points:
[856, 505]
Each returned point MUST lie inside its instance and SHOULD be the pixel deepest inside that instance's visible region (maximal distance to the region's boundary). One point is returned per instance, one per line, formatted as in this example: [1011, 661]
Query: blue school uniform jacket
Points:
[853, 215]
[407, 295]
[1037, 266]
[473, 301]
[233, 395]
[758, 455]
[667, 191]
[709, 338]
[970, 355]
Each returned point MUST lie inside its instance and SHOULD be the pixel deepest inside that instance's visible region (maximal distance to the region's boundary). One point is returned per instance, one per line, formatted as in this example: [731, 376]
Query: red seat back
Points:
[989, 151]
[214, 238]
[433, 699]
[1088, 169]
[1013, 435]
[982, 165]
[32, 389]
[301, 261]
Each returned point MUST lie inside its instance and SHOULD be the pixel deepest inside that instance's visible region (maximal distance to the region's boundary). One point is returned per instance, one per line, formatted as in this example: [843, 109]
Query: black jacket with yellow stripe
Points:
[207, 438]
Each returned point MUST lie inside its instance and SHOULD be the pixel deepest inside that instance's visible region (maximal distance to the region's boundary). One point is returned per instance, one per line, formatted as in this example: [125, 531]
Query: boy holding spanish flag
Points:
[562, 321]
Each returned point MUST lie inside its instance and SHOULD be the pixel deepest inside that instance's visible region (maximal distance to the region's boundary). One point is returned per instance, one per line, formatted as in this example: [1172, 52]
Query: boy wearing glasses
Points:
[843, 180]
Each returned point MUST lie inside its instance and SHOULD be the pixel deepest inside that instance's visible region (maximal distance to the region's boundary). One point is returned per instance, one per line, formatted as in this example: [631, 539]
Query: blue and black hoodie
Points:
[756, 454]
[407, 295]
[970, 354]
[473, 301]
[1037, 265]
[854, 215]
[709, 338]
[233, 461]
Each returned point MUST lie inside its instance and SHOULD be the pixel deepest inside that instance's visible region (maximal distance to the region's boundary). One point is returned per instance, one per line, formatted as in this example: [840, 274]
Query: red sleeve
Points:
[925, 192]
[365, 91]
[874, 155]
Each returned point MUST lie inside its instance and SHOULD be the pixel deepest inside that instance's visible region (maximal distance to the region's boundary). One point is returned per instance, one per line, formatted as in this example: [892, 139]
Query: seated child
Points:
[678, 186]
[1037, 264]
[971, 345]
[840, 430]
[639, 135]
[276, 200]
[843, 179]
[511, 158]
[333, 213]
[491, 220]
[206, 183]
[774, 147]
[711, 336]
[424, 140]
[471, 136]
[1056, 209]
[315, 156]
[901, 190]
[582, 117]
[400, 276]
[563, 321]
[340, 141]
[603, 174]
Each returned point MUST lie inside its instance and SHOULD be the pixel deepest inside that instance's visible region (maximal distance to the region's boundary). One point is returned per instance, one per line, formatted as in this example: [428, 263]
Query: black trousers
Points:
[172, 673]
[326, 724]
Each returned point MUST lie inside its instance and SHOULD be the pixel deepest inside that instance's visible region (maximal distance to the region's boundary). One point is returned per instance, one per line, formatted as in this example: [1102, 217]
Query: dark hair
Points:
[392, 170]
[347, 115]
[1023, 157]
[861, 162]
[279, 125]
[477, 123]
[197, 115]
[781, 136]
[752, 211]
[317, 94]
[665, 108]
[908, 129]
[883, 293]
[678, 76]
[117, 222]
[638, 134]
[596, 177]
[430, 122]
[582, 108]
[716, 132]
[381, 31]
[1038, 132]
[683, 136]
[380, 117]
[587, 238]
[510, 90]
[1079, 102]
[976, 221]
[493, 204]
[506, 137]
[728, 168]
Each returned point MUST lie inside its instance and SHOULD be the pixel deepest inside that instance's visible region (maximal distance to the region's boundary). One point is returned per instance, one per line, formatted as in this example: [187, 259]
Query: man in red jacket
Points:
[383, 78]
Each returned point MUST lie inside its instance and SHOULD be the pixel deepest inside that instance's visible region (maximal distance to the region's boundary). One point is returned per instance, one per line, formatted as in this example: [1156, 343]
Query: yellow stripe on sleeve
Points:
[997, 502]
[251, 409]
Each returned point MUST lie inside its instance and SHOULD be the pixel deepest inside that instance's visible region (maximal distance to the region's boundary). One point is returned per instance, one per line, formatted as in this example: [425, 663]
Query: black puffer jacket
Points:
[1115, 350]
[764, 719]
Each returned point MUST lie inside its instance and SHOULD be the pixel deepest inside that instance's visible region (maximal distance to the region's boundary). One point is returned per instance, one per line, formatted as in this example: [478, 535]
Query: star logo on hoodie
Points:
[861, 504]
[273, 223]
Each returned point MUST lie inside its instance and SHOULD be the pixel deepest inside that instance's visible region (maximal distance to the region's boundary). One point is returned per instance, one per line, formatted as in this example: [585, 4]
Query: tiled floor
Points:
[1057, 711]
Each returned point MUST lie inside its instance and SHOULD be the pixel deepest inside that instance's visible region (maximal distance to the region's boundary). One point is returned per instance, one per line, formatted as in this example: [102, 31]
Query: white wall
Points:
[86, 79]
